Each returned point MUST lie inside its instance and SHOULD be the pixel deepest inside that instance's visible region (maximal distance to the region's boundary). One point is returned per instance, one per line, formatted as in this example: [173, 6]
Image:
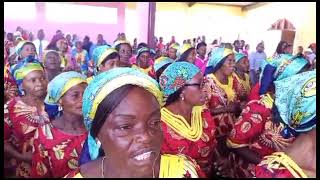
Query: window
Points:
[20, 10]
[72, 13]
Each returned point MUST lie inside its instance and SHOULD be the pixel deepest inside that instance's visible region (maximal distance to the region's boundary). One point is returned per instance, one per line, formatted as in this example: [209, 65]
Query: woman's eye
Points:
[124, 127]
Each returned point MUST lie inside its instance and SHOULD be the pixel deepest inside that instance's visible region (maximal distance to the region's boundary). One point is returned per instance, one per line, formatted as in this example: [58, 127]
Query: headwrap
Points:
[47, 52]
[120, 42]
[175, 76]
[295, 98]
[100, 53]
[105, 83]
[215, 61]
[312, 45]
[174, 46]
[20, 45]
[279, 68]
[185, 48]
[160, 62]
[239, 56]
[23, 68]
[57, 87]
[142, 50]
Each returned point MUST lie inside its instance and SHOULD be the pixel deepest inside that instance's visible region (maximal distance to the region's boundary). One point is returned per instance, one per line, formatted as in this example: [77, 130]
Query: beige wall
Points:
[301, 14]
[230, 22]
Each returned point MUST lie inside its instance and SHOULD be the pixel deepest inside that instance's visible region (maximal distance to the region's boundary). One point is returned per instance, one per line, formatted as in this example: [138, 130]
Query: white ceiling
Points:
[241, 4]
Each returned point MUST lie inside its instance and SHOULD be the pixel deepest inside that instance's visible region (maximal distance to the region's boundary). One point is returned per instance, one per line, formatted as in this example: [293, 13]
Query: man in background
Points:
[255, 60]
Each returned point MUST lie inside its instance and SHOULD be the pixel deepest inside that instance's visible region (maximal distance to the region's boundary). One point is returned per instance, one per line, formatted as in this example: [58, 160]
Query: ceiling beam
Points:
[254, 6]
[190, 4]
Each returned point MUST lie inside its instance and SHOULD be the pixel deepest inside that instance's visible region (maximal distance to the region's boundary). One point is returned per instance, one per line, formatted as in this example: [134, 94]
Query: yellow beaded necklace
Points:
[181, 126]
[226, 88]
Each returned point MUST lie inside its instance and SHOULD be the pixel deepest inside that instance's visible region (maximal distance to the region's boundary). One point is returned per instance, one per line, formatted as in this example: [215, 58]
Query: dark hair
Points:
[215, 41]
[184, 55]
[140, 45]
[236, 41]
[279, 49]
[174, 97]
[160, 71]
[201, 44]
[107, 105]
[110, 56]
[118, 46]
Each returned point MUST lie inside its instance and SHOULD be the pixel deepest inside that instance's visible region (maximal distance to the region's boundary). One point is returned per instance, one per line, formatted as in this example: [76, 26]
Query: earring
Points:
[60, 108]
[98, 142]
[182, 98]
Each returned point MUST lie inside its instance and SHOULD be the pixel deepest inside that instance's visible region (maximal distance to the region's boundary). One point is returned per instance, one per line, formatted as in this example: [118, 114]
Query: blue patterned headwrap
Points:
[100, 53]
[279, 68]
[160, 62]
[105, 83]
[57, 87]
[239, 56]
[142, 50]
[20, 70]
[295, 98]
[216, 60]
[175, 76]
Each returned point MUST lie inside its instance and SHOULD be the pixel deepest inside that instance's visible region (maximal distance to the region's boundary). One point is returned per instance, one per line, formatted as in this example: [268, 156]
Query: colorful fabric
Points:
[215, 60]
[278, 165]
[10, 86]
[171, 166]
[296, 101]
[279, 68]
[244, 85]
[161, 61]
[239, 56]
[200, 150]
[185, 48]
[120, 42]
[148, 71]
[142, 50]
[201, 64]
[175, 76]
[82, 60]
[23, 68]
[174, 46]
[56, 152]
[57, 87]
[100, 53]
[20, 124]
[19, 46]
[106, 82]
[217, 98]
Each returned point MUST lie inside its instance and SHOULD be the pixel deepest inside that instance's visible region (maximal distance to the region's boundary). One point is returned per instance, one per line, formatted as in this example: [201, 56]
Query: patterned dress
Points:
[20, 124]
[56, 152]
[10, 86]
[201, 150]
[217, 98]
[244, 85]
[254, 129]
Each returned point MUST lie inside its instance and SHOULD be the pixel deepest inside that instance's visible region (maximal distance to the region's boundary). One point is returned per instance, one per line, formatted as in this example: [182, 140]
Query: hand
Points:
[221, 168]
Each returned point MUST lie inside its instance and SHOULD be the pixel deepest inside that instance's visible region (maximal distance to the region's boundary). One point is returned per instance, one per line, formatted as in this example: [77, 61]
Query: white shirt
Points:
[37, 44]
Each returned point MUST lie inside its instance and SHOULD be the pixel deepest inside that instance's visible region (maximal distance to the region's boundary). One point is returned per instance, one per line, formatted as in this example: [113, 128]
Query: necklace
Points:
[153, 176]
[102, 166]
[181, 126]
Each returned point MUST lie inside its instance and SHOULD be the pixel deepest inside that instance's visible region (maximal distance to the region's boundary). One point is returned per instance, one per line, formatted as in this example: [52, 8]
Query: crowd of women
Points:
[180, 113]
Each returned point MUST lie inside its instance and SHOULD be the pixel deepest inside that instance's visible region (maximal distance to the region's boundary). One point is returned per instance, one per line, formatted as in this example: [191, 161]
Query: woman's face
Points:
[63, 45]
[243, 65]
[144, 60]
[228, 66]
[71, 101]
[132, 137]
[125, 53]
[28, 50]
[53, 61]
[192, 91]
[172, 53]
[109, 64]
[35, 84]
[191, 58]
[202, 50]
